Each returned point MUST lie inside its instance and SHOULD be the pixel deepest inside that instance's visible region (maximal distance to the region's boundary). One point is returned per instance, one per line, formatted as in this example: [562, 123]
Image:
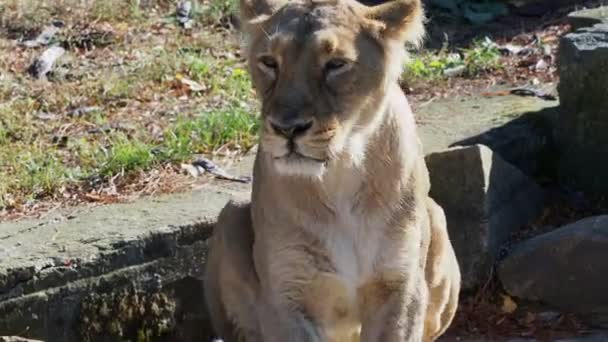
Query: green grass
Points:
[31, 168]
[41, 173]
[481, 57]
[126, 155]
[233, 125]
[31, 172]
[134, 80]
[217, 10]
[188, 136]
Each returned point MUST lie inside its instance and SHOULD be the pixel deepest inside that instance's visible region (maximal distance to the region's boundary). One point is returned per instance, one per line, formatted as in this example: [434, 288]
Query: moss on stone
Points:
[130, 315]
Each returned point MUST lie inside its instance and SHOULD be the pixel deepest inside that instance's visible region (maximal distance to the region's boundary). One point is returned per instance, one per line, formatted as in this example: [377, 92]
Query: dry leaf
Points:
[508, 304]
[192, 85]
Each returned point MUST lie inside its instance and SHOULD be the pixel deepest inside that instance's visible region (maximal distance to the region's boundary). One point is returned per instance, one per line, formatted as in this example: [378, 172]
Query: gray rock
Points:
[588, 17]
[566, 268]
[519, 128]
[583, 116]
[183, 13]
[44, 64]
[183, 9]
[485, 199]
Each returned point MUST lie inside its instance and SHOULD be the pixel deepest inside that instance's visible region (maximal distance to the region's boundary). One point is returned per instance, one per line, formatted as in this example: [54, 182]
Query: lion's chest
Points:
[354, 246]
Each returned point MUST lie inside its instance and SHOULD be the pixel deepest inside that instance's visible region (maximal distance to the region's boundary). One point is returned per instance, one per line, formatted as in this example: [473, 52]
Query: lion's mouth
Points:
[294, 162]
[294, 155]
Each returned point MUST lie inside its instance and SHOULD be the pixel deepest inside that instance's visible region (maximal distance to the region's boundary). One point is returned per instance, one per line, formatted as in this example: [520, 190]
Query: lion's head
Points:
[322, 69]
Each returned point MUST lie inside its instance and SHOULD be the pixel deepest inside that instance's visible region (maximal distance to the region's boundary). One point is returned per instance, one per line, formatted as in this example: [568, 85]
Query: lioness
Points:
[341, 241]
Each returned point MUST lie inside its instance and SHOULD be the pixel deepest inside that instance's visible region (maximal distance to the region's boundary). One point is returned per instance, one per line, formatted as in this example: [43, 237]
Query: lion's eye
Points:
[268, 65]
[336, 66]
[268, 62]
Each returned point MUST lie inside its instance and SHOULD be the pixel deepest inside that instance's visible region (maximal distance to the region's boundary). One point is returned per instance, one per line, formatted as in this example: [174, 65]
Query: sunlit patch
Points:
[357, 144]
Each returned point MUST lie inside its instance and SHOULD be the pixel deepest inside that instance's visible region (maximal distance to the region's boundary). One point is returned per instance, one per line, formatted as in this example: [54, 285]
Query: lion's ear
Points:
[399, 19]
[254, 10]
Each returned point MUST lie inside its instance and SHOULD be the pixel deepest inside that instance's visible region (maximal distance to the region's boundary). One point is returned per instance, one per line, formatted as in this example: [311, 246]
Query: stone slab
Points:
[583, 116]
[588, 17]
[485, 200]
[30, 250]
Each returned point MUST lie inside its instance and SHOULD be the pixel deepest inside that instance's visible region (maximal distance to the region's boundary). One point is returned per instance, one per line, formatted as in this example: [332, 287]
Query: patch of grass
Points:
[32, 13]
[39, 173]
[118, 88]
[3, 135]
[431, 67]
[146, 118]
[226, 79]
[15, 121]
[202, 134]
[238, 84]
[127, 155]
[217, 10]
[42, 173]
[106, 10]
[36, 171]
[481, 57]
[234, 125]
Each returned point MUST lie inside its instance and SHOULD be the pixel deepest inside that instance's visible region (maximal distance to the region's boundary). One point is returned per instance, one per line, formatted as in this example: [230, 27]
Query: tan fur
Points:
[341, 241]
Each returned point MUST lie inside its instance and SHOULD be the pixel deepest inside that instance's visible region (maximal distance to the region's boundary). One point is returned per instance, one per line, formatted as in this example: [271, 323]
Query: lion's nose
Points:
[290, 128]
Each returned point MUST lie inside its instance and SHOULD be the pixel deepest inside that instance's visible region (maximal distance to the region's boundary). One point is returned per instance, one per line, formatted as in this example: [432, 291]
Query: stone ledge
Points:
[42, 253]
[90, 309]
[70, 277]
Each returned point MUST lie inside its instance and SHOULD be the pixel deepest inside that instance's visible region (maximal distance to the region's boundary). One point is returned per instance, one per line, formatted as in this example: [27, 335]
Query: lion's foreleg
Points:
[280, 323]
[396, 312]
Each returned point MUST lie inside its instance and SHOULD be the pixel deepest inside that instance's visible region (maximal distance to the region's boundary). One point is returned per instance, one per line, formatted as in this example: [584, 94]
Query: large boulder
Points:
[583, 118]
[588, 17]
[566, 268]
[485, 199]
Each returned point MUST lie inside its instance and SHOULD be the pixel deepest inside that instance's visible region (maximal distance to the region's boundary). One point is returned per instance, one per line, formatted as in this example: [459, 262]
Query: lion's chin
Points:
[299, 165]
